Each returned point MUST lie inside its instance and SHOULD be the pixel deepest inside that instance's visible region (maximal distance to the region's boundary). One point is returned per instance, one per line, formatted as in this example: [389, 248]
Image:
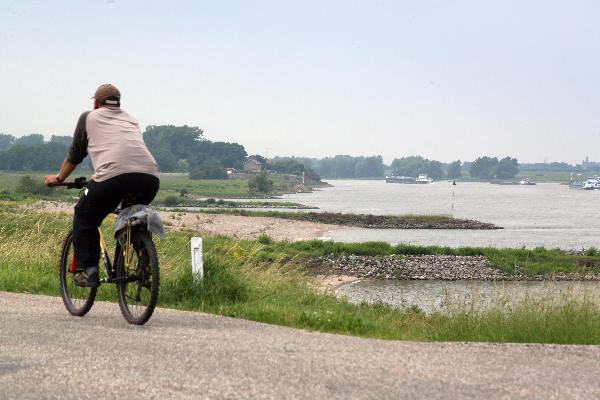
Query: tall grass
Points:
[268, 281]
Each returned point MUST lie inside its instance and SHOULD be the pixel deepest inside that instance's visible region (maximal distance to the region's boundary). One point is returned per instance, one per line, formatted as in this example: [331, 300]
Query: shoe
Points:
[88, 278]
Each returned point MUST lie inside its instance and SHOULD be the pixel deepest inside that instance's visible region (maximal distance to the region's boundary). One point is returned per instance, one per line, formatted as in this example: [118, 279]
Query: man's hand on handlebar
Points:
[51, 180]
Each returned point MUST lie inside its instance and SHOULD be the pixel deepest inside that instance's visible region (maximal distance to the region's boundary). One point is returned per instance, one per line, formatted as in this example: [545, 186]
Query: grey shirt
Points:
[114, 142]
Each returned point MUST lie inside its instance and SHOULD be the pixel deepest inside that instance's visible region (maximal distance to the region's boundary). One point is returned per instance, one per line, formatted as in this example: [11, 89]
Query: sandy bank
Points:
[235, 226]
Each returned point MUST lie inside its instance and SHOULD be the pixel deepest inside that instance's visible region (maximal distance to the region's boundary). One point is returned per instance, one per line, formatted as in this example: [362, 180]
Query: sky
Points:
[443, 79]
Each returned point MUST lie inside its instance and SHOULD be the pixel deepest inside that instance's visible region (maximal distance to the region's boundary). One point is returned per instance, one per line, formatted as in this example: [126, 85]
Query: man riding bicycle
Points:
[124, 170]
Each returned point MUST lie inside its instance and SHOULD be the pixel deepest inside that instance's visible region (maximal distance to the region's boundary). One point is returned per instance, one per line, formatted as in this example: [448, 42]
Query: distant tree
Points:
[169, 143]
[262, 160]
[66, 140]
[39, 157]
[454, 170]
[29, 140]
[292, 166]
[183, 165]
[6, 141]
[368, 167]
[180, 141]
[231, 155]
[408, 166]
[260, 183]
[415, 165]
[484, 167]
[210, 169]
[433, 169]
[506, 168]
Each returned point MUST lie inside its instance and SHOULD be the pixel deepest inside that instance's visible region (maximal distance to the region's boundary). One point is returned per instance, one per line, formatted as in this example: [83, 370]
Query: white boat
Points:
[527, 182]
[423, 179]
[592, 183]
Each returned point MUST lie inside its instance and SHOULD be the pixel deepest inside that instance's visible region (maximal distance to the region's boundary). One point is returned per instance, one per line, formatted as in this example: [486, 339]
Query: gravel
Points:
[429, 267]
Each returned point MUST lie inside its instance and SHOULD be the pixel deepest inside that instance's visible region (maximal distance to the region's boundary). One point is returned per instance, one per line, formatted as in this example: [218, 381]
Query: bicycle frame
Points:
[111, 272]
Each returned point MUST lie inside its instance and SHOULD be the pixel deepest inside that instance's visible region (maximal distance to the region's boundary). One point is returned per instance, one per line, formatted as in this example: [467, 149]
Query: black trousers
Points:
[99, 200]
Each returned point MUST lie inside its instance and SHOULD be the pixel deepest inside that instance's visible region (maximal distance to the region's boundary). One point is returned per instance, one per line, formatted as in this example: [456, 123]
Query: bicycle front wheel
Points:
[138, 278]
[78, 300]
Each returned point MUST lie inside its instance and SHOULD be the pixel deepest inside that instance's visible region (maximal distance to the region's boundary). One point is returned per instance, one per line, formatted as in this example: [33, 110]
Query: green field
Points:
[171, 184]
[272, 282]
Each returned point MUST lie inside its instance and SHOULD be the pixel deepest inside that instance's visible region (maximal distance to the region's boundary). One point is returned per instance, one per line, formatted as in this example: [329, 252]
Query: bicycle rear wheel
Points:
[138, 278]
[78, 300]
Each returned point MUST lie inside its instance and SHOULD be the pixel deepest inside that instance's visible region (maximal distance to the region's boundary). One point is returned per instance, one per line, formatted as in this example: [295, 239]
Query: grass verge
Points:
[268, 282]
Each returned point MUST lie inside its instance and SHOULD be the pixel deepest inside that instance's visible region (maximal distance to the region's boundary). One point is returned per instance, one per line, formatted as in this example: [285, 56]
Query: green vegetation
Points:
[492, 168]
[178, 148]
[174, 184]
[269, 282]
[415, 165]
[171, 184]
[338, 167]
[260, 183]
[524, 261]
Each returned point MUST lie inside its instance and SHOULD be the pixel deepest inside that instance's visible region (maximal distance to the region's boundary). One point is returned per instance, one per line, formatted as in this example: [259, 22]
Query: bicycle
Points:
[135, 270]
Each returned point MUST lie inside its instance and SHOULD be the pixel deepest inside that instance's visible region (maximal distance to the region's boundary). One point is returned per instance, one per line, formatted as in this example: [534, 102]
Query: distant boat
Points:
[592, 183]
[400, 179]
[526, 182]
[577, 181]
[421, 179]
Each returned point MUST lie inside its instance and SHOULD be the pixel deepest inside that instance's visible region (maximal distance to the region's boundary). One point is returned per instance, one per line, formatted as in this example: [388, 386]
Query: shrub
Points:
[208, 170]
[171, 201]
[28, 185]
[265, 239]
[260, 183]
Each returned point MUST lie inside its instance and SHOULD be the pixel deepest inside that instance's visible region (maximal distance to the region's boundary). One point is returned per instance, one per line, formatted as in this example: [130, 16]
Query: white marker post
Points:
[197, 259]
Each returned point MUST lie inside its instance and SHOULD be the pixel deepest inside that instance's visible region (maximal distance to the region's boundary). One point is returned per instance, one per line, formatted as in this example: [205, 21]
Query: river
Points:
[548, 214]
[445, 296]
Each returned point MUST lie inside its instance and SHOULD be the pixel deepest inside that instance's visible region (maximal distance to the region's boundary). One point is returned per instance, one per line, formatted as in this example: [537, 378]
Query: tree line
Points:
[175, 148]
[340, 166]
[32, 153]
[185, 149]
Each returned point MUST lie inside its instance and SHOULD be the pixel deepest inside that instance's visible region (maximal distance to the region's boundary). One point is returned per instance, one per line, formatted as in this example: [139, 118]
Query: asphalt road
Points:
[47, 354]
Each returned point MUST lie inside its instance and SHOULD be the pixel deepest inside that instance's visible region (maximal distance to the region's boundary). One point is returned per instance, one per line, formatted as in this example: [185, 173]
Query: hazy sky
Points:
[443, 79]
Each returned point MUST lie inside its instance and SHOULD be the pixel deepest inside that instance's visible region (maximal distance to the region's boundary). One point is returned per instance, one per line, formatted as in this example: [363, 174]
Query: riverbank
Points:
[367, 220]
[270, 281]
[234, 226]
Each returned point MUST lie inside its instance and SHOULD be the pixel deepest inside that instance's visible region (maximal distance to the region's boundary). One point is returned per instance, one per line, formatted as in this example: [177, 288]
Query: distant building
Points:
[252, 165]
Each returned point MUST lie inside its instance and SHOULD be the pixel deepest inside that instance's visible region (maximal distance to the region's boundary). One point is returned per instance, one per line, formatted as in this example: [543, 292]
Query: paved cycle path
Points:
[47, 354]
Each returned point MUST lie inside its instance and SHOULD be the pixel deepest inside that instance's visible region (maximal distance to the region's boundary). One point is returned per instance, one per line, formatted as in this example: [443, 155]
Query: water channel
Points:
[547, 214]
[445, 296]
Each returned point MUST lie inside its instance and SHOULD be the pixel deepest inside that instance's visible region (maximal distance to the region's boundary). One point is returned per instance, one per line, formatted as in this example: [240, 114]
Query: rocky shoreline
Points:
[396, 221]
[429, 267]
[366, 220]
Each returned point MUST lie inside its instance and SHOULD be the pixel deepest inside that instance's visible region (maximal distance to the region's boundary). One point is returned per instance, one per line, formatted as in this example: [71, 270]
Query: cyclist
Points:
[124, 169]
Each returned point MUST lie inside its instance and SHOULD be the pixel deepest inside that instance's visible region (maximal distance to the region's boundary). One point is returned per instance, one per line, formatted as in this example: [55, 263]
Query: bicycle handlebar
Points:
[78, 183]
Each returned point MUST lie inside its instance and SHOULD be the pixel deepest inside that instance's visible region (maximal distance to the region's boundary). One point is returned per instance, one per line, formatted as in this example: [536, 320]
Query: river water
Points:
[445, 296]
[548, 214]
